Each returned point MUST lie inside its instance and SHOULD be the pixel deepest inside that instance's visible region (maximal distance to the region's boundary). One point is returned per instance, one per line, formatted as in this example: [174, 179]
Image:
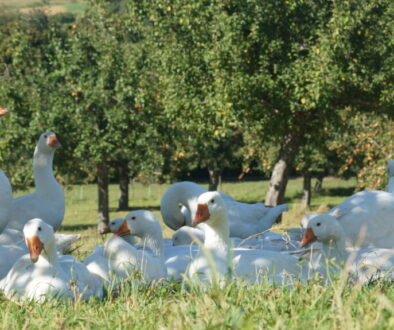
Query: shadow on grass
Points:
[337, 192]
[134, 208]
[340, 191]
[77, 227]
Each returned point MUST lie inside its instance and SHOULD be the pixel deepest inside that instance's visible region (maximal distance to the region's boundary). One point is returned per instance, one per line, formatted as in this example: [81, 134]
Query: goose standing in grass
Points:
[5, 201]
[244, 219]
[44, 273]
[5, 191]
[47, 201]
[363, 264]
[125, 258]
[217, 261]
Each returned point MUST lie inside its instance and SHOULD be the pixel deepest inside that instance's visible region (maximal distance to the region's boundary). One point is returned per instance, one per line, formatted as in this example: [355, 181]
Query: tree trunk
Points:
[319, 182]
[123, 202]
[103, 203]
[215, 178]
[280, 175]
[306, 197]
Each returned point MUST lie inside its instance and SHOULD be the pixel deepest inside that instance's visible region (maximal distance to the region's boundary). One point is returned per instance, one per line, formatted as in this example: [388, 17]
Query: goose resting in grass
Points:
[244, 219]
[45, 274]
[364, 264]
[176, 258]
[218, 262]
[47, 201]
[367, 219]
[125, 258]
[267, 241]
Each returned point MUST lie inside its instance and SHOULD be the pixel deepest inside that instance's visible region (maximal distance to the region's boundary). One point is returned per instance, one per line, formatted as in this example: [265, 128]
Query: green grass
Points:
[73, 6]
[169, 306]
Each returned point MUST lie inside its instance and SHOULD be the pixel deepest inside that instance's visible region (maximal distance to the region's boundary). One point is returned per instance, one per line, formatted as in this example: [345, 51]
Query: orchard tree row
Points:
[150, 89]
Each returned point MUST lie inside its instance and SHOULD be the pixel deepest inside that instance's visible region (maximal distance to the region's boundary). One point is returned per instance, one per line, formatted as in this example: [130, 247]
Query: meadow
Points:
[50, 7]
[170, 306]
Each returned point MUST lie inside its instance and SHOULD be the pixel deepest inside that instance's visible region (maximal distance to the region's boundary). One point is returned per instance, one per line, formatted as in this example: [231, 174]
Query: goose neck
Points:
[45, 181]
[154, 242]
[217, 236]
[49, 252]
[335, 248]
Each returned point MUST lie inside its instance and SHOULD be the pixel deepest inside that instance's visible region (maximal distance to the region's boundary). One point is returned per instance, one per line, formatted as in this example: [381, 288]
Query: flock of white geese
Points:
[216, 240]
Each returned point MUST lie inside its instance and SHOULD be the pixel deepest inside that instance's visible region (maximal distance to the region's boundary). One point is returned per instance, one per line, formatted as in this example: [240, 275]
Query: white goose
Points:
[47, 201]
[367, 219]
[267, 241]
[5, 200]
[390, 172]
[45, 274]
[244, 219]
[363, 264]
[5, 191]
[115, 226]
[125, 258]
[217, 261]
[176, 258]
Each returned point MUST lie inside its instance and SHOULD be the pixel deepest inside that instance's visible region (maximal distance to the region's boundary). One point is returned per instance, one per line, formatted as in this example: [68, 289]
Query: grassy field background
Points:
[81, 203]
[50, 6]
[169, 306]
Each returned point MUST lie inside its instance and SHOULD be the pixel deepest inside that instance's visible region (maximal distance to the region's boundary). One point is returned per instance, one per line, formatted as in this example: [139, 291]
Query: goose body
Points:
[125, 258]
[177, 258]
[47, 201]
[44, 274]
[364, 264]
[218, 262]
[5, 200]
[267, 241]
[367, 219]
[390, 172]
[244, 219]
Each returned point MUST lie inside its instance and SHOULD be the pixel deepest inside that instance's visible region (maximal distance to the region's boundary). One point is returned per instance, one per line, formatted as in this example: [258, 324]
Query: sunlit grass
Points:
[169, 306]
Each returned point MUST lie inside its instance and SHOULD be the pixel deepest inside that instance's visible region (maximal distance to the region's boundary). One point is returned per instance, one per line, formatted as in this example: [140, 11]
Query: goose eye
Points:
[45, 136]
[212, 201]
[39, 228]
[318, 224]
[133, 218]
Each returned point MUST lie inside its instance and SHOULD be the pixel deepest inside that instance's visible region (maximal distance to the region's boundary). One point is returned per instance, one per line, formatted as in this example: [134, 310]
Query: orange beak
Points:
[123, 230]
[202, 214]
[53, 142]
[309, 237]
[3, 111]
[35, 247]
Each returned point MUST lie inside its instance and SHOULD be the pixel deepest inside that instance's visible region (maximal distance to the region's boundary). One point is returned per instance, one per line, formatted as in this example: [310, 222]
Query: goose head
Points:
[47, 143]
[324, 228]
[186, 235]
[114, 226]
[3, 111]
[210, 209]
[139, 223]
[38, 234]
